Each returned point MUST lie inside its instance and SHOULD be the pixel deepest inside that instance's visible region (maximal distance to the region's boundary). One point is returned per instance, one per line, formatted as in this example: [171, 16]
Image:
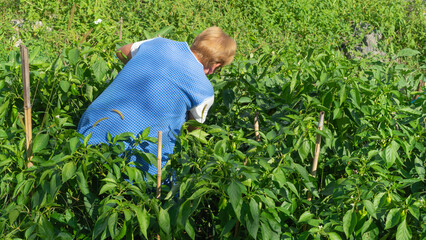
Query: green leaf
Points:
[292, 188]
[349, 222]
[65, 85]
[252, 142]
[3, 134]
[89, 92]
[294, 81]
[87, 138]
[107, 187]
[164, 221]
[73, 144]
[266, 231]
[403, 232]
[40, 142]
[73, 56]
[337, 113]
[305, 176]
[410, 111]
[420, 168]
[271, 150]
[190, 230]
[122, 233]
[334, 236]
[4, 108]
[68, 171]
[145, 132]
[391, 153]
[407, 52]
[379, 200]
[82, 183]
[13, 215]
[392, 219]
[200, 135]
[166, 30]
[228, 226]
[369, 206]
[306, 216]
[100, 226]
[234, 192]
[99, 69]
[279, 177]
[45, 229]
[356, 97]
[143, 219]
[254, 209]
[415, 211]
[253, 223]
[228, 98]
[112, 223]
[343, 94]
[199, 193]
[184, 211]
[244, 100]
[366, 225]
[304, 149]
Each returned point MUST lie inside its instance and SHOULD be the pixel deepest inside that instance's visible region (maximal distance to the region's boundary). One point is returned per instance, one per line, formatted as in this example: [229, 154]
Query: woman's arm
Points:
[190, 127]
[124, 53]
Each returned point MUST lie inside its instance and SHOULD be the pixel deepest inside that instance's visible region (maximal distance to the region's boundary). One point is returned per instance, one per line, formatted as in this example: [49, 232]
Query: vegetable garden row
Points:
[294, 60]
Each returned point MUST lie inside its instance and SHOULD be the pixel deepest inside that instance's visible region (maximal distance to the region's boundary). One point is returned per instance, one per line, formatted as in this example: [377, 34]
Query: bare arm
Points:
[124, 53]
[190, 127]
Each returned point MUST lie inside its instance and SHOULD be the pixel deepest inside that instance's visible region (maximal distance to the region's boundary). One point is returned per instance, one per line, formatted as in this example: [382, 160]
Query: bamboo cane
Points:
[256, 126]
[121, 27]
[27, 103]
[317, 150]
[160, 140]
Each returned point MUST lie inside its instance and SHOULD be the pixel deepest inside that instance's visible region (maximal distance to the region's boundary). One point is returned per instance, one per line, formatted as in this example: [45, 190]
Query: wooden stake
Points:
[27, 102]
[160, 140]
[256, 126]
[317, 150]
[121, 27]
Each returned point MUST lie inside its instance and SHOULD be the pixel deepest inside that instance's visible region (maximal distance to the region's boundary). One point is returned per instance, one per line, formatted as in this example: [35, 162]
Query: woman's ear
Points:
[213, 68]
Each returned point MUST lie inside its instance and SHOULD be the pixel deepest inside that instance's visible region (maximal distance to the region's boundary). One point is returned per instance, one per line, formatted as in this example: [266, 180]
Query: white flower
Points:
[98, 21]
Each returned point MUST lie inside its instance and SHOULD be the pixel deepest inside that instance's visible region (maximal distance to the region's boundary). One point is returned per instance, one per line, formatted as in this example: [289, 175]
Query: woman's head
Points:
[214, 48]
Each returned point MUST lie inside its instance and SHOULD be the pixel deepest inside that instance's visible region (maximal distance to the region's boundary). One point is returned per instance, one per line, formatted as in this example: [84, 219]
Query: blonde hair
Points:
[214, 46]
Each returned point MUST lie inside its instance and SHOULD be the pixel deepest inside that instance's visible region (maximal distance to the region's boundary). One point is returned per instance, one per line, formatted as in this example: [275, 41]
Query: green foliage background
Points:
[291, 64]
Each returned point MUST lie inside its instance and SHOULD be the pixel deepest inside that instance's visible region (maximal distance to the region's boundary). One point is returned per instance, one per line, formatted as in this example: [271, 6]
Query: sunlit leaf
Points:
[392, 219]
[407, 52]
[349, 222]
[73, 56]
[306, 216]
[40, 142]
[403, 232]
[234, 192]
[68, 171]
